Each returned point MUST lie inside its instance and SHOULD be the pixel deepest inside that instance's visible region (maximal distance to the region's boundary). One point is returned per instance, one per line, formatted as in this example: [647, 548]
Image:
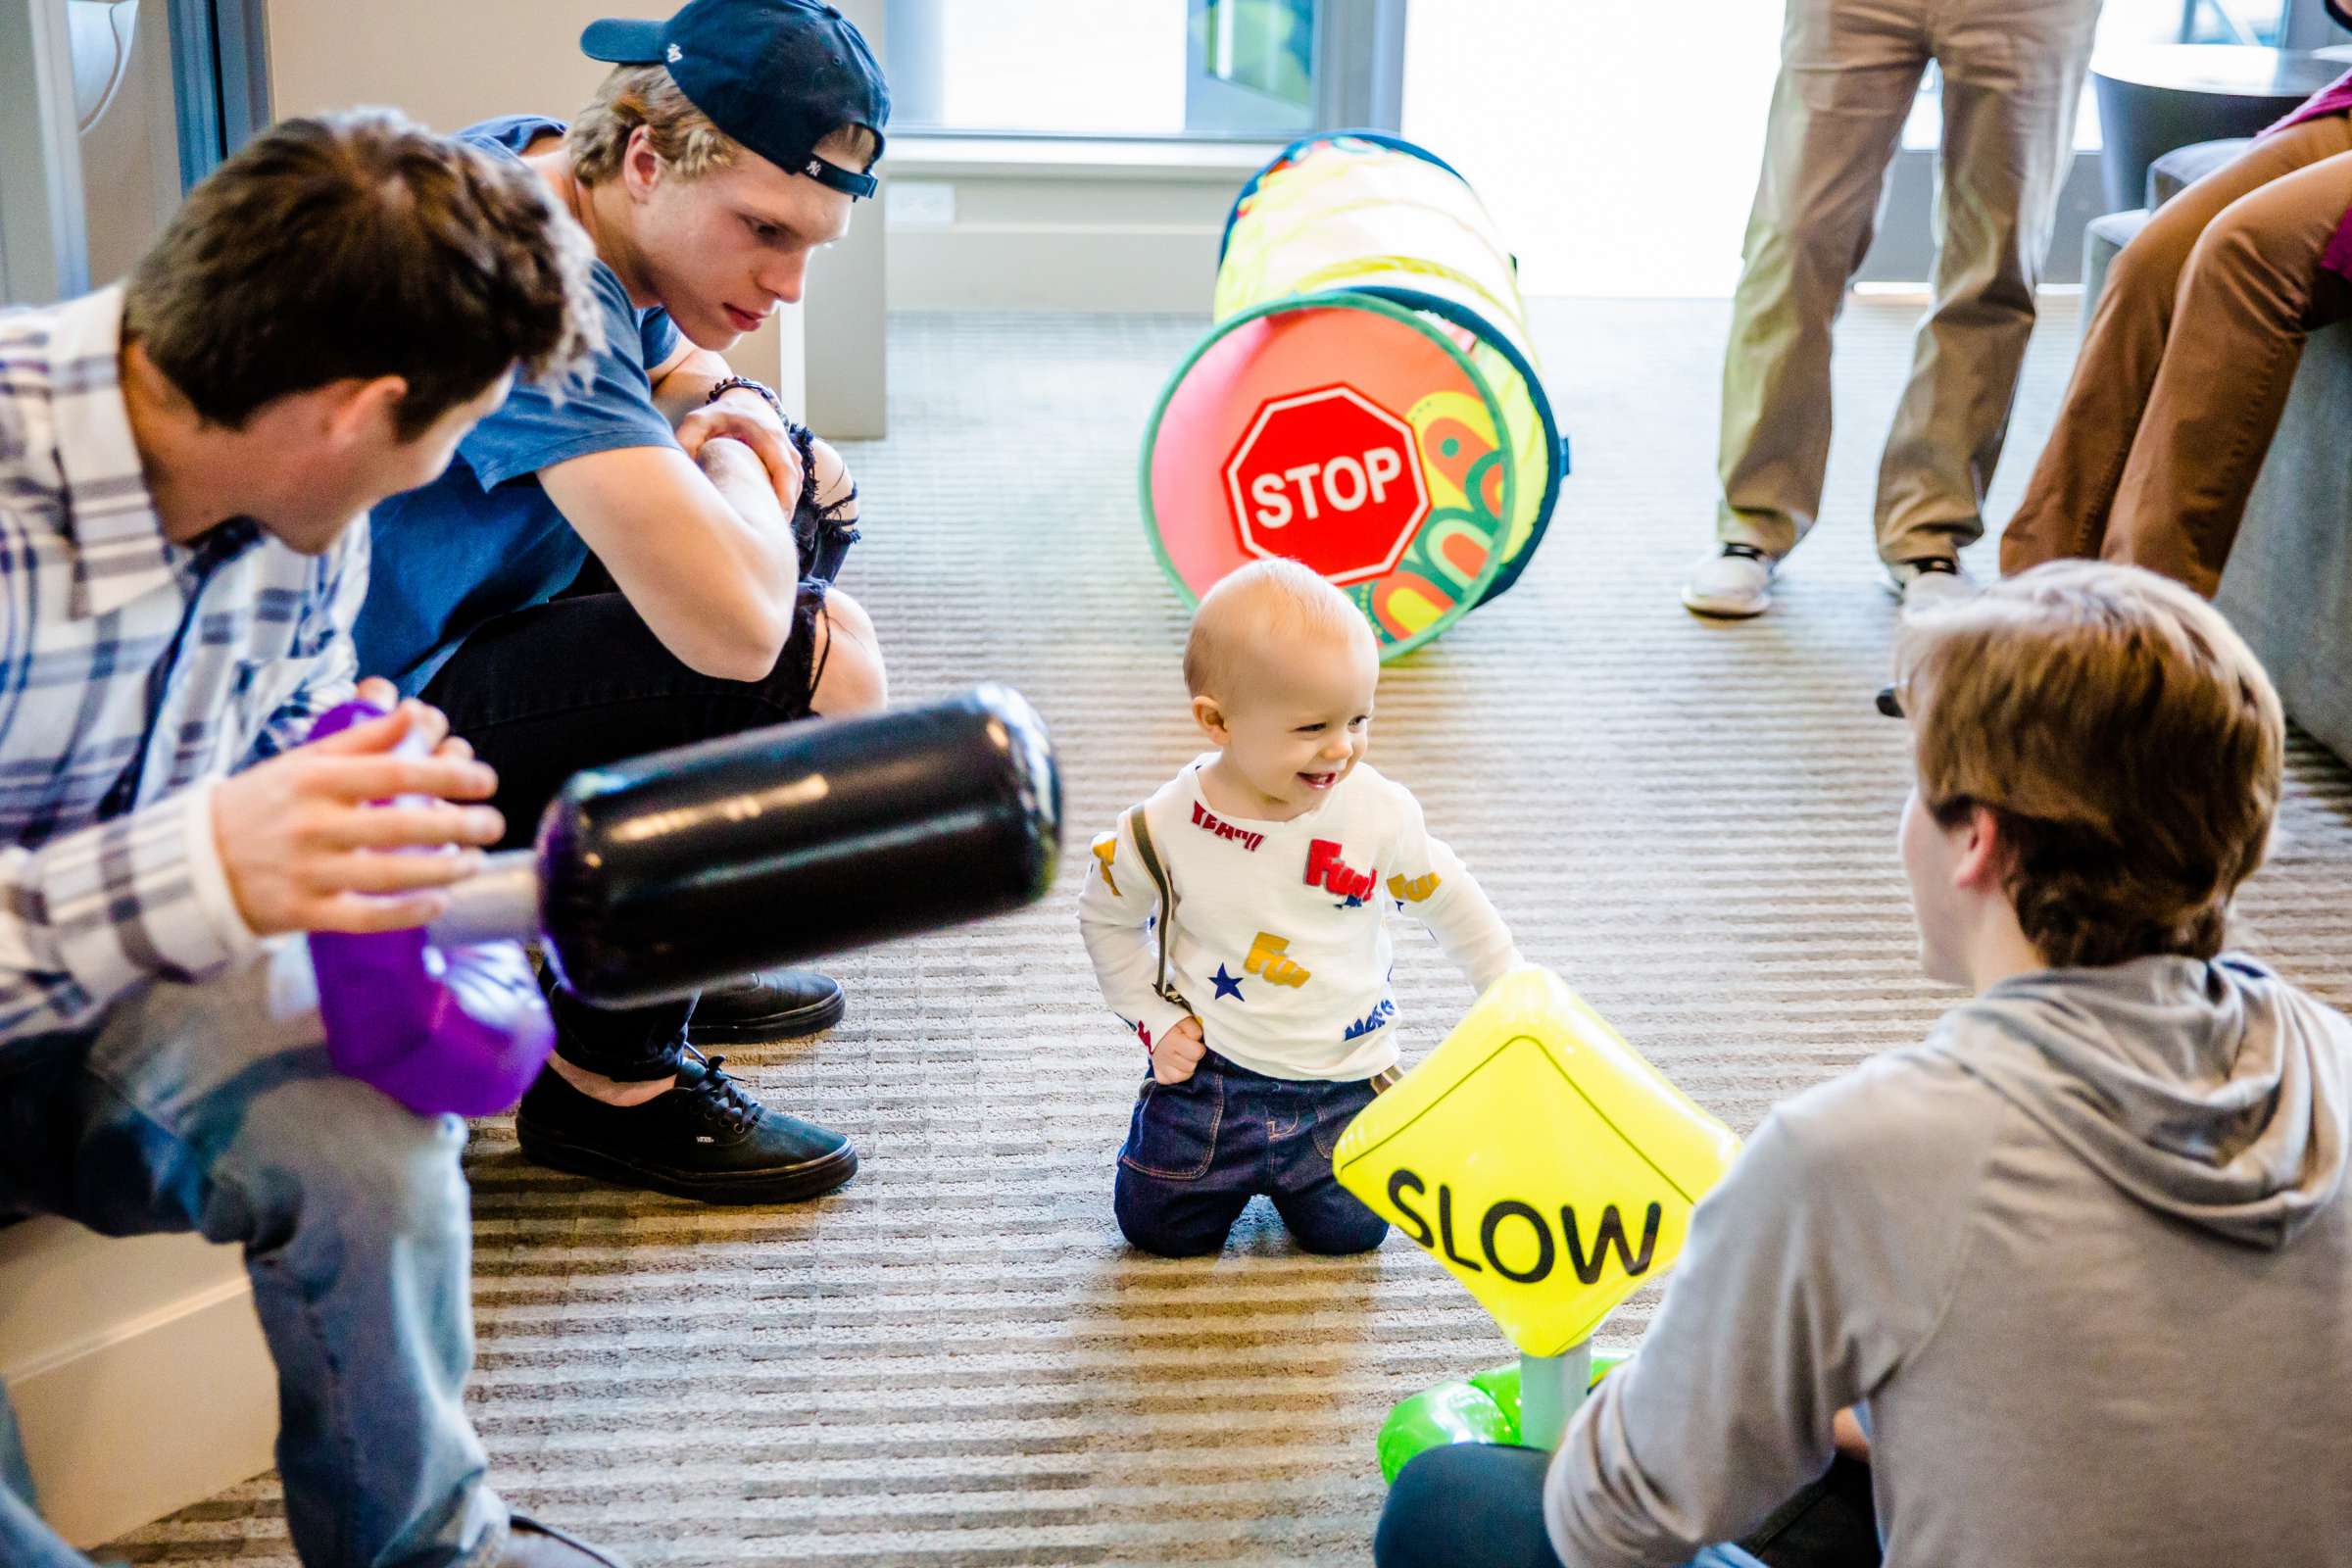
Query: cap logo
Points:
[675, 54]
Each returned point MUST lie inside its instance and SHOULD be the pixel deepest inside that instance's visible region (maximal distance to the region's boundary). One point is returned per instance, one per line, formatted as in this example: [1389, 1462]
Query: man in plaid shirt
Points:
[182, 461]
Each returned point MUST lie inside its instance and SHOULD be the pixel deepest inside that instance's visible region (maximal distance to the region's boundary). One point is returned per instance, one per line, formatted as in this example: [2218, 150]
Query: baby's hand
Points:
[1177, 1051]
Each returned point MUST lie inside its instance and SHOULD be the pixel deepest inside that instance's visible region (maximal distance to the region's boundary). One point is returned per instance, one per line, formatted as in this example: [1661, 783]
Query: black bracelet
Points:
[730, 383]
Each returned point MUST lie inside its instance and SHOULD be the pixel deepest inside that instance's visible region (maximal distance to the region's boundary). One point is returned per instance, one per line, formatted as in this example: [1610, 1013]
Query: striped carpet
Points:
[954, 1360]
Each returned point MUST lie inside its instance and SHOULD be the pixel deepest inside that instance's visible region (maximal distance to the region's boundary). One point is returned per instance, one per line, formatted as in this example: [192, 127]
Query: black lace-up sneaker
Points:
[770, 1004]
[706, 1139]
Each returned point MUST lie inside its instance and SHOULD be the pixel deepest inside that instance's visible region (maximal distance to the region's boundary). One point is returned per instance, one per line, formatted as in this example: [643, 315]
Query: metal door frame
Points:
[44, 236]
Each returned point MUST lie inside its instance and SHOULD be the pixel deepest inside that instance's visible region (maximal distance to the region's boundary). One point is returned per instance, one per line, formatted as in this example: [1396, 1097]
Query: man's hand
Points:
[1177, 1051]
[303, 849]
[741, 474]
[741, 415]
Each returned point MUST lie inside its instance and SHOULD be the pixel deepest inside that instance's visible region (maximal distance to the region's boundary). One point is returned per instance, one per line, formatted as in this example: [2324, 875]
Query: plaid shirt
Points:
[134, 673]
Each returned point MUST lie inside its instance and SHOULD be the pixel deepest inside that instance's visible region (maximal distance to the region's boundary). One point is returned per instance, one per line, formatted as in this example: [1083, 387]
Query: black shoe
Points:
[706, 1139]
[769, 1005]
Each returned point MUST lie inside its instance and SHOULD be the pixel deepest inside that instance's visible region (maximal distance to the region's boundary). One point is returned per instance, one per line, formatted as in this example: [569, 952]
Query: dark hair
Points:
[2123, 738]
[361, 245]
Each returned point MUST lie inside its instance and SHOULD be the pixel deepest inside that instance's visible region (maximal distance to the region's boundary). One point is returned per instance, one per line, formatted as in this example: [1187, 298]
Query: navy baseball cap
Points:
[778, 76]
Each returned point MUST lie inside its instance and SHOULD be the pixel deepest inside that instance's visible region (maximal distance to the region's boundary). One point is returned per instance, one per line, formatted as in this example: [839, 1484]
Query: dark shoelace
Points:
[811, 524]
[1744, 551]
[722, 1099]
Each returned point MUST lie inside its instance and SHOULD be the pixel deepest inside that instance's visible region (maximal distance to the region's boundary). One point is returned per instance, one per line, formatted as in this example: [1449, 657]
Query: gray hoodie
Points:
[2086, 1258]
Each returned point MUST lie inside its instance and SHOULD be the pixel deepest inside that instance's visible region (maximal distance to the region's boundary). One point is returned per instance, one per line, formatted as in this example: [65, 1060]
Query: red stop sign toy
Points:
[1345, 432]
[1326, 477]
[1366, 400]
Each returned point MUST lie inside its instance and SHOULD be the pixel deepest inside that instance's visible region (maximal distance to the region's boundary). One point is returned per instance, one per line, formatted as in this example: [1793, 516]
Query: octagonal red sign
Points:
[1326, 477]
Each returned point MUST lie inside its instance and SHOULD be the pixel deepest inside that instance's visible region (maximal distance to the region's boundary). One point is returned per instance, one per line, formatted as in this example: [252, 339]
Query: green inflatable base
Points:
[1483, 1407]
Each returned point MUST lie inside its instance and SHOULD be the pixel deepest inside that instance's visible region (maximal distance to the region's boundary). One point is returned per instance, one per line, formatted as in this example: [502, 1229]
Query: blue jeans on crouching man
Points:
[211, 1108]
[1198, 1151]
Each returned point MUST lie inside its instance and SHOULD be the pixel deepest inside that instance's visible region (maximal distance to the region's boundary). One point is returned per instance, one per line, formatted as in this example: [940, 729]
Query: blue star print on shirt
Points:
[1227, 985]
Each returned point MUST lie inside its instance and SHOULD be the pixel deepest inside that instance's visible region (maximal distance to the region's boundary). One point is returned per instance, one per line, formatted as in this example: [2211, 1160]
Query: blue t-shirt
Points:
[483, 539]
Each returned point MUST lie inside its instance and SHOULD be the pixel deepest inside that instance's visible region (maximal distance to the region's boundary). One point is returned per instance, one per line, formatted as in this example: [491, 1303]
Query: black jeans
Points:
[1481, 1506]
[581, 681]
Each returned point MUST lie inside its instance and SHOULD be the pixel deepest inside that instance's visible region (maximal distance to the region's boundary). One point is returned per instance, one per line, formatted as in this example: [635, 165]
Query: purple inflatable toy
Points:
[461, 1029]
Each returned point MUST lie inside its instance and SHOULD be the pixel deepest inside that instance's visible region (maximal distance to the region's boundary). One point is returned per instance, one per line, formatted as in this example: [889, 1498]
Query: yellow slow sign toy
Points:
[1539, 1158]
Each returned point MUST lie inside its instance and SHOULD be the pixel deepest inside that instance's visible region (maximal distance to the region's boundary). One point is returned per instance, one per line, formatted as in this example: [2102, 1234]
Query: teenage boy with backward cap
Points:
[648, 561]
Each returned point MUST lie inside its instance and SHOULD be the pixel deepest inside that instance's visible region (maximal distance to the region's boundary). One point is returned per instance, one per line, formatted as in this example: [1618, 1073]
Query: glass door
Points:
[109, 111]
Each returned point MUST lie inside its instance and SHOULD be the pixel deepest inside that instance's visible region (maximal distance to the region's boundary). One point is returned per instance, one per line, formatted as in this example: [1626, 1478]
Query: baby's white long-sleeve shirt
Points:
[1278, 939]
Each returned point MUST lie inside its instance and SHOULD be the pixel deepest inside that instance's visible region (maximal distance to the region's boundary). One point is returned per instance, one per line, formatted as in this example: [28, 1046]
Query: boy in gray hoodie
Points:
[2080, 1263]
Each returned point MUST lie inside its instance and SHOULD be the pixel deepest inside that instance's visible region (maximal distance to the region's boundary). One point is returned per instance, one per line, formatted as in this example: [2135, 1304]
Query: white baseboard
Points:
[137, 1370]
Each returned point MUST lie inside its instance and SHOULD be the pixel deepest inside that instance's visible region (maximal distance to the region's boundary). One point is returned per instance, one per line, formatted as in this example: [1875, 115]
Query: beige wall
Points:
[445, 61]
[449, 63]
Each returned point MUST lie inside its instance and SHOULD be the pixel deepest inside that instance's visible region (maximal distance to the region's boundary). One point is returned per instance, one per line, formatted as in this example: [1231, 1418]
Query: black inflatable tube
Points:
[666, 873]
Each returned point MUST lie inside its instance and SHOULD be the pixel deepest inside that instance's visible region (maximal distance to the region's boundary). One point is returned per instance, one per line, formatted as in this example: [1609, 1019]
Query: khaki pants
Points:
[1849, 70]
[2186, 361]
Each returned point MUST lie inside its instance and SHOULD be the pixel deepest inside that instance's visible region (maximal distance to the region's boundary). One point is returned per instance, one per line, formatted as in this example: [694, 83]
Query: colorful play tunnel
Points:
[1368, 400]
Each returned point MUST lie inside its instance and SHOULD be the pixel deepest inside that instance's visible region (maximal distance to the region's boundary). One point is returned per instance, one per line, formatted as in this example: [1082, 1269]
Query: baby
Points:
[1236, 921]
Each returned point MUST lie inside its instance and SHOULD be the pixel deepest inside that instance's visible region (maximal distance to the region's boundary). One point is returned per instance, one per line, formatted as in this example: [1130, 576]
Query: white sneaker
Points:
[1732, 581]
[1929, 583]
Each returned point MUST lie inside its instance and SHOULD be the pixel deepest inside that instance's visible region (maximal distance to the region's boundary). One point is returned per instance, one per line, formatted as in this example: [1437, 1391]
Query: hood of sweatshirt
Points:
[2210, 1091]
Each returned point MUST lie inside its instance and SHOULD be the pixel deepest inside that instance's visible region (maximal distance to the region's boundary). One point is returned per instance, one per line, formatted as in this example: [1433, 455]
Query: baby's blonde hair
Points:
[1270, 600]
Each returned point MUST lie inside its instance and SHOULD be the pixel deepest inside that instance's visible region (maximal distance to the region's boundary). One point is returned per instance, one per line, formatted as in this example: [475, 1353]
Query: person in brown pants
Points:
[2186, 364]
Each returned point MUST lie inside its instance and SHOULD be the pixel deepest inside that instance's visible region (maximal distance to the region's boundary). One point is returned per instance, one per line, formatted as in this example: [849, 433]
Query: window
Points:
[1250, 65]
[1247, 70]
